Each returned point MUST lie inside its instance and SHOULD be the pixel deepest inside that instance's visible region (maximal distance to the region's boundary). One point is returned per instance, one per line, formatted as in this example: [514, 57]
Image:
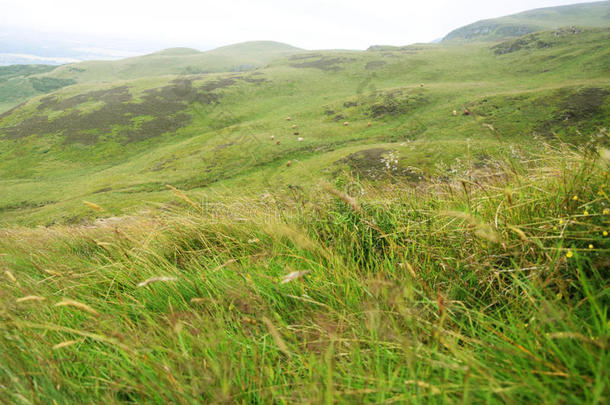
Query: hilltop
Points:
[595, 14]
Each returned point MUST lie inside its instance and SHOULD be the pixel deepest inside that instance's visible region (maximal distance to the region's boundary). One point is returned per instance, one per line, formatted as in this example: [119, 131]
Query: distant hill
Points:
[296, 119]
[20, 82]
[595, 14]
[233, 58]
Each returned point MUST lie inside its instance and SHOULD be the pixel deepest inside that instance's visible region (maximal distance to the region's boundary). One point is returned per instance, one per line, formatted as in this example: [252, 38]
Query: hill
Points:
[418, 224]
[120, 143]
[175, 61]
[595, 14]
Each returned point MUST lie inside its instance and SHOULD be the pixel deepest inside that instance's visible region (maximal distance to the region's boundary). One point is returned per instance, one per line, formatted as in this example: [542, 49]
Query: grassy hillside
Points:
[119, 144]
[21, 82]
[239, 57]
[596, 14]
[419, 224]
[490, 286]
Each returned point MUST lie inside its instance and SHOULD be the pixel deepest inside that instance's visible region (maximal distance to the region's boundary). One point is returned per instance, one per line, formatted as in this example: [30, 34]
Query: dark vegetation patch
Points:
[252, 79]
[375, 64]
[219, 83]
[325, 63]
[12, 110]
[395, 102]
[24, 205]
[535, 41]
[572, 112]
[581, 105]
[306, 56]
[119, 113]
[49, 84]
[378, 104]
[376, 164]
[151, 187]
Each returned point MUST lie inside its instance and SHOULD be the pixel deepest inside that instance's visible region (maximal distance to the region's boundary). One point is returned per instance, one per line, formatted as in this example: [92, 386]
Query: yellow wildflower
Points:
[590, 246]
[575, 198]
[585, 213]
[605, 233]
[569, 254]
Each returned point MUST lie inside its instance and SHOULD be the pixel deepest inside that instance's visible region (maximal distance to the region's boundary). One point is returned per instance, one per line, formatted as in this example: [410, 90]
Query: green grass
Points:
[478, 289]
[157, 244]
[210, 133]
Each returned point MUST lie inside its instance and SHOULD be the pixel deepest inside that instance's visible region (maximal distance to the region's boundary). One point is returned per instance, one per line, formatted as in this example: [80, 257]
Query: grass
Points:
[208, 136]
[323, 229]
[481, 288]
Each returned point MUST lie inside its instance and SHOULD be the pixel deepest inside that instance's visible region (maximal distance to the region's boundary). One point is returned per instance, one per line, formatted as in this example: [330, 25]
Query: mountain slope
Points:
[233, 58]
[119, 144]
[595, 14]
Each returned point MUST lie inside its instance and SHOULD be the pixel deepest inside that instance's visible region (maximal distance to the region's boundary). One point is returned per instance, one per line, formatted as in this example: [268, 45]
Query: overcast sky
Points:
[204, 24]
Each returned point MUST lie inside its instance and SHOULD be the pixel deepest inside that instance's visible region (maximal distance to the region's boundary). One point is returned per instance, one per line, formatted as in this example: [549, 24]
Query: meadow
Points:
[419, 224]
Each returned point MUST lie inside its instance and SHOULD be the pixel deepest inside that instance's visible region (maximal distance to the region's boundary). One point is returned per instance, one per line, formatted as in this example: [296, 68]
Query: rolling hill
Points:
[175, 61]
[596, 14]
[120, 143]
[262, 224]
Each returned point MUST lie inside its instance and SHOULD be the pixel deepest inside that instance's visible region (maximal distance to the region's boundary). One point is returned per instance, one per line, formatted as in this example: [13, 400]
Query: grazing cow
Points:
[300, 139]
[454, 113]
[272, 137]
[346, 123]
[288, 163]
[369, 124]
[287, 118]
[294, 126]
[421, 85]
[466, 111]
[296, 133]
[278, 142]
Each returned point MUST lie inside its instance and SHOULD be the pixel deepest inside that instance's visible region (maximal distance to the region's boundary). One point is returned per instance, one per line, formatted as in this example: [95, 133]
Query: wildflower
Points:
[590, 246]
[585, 213]
[575, 198]
[606, 211]
[561, 222]
[554, 228]
[569, 254]
[605, 233]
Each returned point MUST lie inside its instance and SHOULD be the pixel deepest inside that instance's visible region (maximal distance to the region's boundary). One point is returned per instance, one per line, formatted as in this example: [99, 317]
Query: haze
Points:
[346, 24]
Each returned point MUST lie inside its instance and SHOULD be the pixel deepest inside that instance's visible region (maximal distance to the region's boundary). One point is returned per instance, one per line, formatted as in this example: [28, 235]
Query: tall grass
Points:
[491, 287]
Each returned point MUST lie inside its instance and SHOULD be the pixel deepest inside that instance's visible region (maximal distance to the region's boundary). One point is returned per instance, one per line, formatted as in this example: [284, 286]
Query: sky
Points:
[205, 24]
